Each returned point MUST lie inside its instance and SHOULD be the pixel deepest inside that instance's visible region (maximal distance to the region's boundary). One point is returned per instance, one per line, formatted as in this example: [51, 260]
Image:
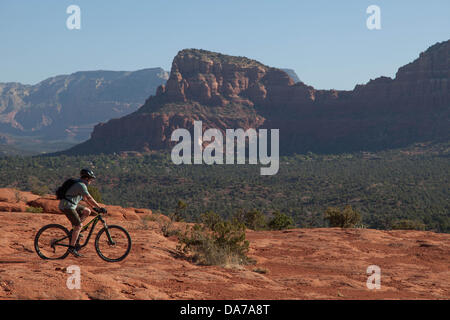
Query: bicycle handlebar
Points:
[101, 210]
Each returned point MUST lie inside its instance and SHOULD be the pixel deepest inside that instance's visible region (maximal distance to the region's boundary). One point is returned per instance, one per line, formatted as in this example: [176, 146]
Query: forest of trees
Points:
[386, 188]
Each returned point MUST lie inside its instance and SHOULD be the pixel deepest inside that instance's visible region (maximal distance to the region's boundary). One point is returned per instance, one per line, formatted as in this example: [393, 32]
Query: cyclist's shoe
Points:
[73, 250]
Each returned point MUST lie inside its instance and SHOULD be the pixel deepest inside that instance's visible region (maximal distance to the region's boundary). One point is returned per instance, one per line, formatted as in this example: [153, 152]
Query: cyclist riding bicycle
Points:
[75, 212]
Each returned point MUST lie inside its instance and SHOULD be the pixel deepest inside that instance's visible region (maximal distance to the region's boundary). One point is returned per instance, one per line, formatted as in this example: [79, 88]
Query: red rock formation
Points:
[14, 200]
[49, 204]
[16, 196]
[67, 107]
[421, 83]
[236, 92]
[321, 263]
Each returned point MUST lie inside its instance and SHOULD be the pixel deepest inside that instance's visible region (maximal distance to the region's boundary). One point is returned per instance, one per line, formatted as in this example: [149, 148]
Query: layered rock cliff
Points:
[236, 92]
[67, 107]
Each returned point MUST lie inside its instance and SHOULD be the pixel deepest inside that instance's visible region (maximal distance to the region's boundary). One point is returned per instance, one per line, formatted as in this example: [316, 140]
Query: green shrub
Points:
[40, 190]
[178, 214]
[19, 197]
[168, 230]
[210, 219]
[167, 227]
[216, 241]
[37, 186]
[145, 220]
[34, 209]
[95, 193]
[408, 225]
[281, 221]
[360, 226]
[253, 219]
[347, 218]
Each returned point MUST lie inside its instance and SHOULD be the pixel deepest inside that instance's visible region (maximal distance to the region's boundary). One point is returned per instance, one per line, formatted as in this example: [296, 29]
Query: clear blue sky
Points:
[326, 42]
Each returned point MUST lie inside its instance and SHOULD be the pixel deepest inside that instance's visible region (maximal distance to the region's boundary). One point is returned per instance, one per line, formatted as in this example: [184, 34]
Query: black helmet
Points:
[87, 173]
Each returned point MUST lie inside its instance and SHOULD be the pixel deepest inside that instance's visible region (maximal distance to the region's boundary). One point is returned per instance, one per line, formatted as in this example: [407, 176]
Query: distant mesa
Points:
[65, 108]
[292, 74]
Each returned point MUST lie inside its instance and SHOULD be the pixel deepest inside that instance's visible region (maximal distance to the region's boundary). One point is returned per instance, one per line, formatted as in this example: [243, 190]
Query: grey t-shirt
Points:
[74, 194]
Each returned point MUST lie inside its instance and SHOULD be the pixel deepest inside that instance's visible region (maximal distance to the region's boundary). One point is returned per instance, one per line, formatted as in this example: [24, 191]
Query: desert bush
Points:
[40, 190]
[34, 209]
[215, 241]
[168, 230]
[167, 226]
[145, 220]
[19, 197]
[347, 218]
[406, 224]
[280, 221]
[37, 186]
[253, 219]
[95, 193]
[210, 219]
[360, 225]
[178, 214]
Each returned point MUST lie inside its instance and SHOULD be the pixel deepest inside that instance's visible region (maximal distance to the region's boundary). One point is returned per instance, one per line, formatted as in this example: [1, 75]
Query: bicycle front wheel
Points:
[113, 243]
[52, 242]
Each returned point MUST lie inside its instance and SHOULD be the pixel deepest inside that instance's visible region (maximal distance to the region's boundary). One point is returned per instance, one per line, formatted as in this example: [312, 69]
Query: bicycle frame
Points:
[94, 222]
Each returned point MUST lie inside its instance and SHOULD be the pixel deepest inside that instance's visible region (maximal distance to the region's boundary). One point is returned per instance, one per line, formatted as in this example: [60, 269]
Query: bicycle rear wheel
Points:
[52, 242]
[113, 244]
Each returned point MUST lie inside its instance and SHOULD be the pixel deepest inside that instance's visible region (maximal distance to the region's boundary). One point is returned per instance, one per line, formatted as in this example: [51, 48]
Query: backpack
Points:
[61, 191]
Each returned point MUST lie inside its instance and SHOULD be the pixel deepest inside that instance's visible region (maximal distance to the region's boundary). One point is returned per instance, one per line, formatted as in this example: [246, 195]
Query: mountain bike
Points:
[112, 243]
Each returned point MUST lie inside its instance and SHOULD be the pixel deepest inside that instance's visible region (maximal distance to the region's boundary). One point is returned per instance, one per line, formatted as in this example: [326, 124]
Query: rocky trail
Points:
[291, 264]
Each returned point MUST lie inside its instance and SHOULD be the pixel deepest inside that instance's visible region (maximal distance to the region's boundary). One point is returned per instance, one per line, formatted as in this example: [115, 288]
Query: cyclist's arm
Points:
[91, 201]
[88, 198]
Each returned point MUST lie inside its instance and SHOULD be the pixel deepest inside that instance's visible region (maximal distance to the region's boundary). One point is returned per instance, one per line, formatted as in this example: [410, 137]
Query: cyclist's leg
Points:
[74, 218]
[83, 212]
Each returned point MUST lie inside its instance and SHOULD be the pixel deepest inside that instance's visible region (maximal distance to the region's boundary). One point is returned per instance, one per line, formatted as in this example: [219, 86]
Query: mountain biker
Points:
[75, 212]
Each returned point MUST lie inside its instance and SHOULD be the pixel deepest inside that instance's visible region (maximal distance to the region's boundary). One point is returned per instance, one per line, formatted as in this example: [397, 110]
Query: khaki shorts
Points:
[74, 215]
